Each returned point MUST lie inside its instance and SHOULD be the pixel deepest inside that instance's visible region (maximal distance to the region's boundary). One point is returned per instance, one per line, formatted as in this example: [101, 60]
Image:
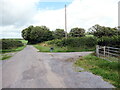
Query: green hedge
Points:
[10, 43]
[75, 42]
[113, 41]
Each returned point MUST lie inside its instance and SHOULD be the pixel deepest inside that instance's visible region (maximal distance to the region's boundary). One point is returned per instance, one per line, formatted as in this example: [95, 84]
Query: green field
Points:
[24, 41]
[108, 70]
[89, 35]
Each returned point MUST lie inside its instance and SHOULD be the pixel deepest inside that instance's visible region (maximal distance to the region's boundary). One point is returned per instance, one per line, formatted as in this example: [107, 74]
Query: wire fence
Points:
[109, 53]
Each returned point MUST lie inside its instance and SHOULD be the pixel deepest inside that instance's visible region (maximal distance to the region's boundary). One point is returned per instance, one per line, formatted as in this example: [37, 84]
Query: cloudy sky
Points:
[15, 15]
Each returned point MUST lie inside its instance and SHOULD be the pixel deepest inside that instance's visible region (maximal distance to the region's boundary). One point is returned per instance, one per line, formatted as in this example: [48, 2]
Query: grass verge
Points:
[13, 50]
[42, 48]
[108, 70]
[4, 57]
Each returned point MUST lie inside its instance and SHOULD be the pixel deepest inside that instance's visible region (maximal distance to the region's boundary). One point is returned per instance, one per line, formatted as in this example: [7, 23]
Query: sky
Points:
[16, 15]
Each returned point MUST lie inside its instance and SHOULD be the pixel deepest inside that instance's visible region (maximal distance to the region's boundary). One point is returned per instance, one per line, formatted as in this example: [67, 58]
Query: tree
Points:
[100, 31]
[77, 32]
[26, 33]
[37, 34]
[59, 33]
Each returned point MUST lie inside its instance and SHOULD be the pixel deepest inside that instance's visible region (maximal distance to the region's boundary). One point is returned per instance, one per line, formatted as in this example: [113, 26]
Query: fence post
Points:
[97, 50]
[104, 50]
[108, 52]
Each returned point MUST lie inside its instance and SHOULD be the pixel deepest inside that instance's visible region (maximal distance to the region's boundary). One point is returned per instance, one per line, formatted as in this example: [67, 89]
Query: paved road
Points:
[31, 69]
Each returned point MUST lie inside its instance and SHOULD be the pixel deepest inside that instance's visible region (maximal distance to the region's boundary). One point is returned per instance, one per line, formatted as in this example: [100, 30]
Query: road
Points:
[32, 69]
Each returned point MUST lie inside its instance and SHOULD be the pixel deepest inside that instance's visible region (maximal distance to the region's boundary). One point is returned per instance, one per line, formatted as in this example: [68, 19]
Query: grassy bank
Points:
[4, 57]
[12, 50]
[108, 70]
[46, 48]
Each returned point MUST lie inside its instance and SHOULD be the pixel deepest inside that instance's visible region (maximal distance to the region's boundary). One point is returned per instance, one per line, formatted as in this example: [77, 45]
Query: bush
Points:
[75, 42]
[87, 42]
[10, 43]
[113, 41]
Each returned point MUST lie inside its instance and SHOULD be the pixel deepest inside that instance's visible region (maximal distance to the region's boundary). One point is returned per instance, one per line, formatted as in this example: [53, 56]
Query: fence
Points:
[107, 52]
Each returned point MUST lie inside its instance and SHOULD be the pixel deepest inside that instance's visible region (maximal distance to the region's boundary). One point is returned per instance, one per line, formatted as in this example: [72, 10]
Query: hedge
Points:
[75, 42]
[10, 43]
[113, 41]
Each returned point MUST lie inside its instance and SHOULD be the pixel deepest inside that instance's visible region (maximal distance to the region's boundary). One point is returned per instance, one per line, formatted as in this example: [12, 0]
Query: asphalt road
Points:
[31, 69]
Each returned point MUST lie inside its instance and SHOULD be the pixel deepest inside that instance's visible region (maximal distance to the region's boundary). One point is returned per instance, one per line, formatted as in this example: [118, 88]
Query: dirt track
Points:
[31, 69]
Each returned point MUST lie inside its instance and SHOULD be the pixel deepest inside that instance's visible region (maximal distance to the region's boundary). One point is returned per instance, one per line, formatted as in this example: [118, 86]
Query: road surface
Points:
[32, 69]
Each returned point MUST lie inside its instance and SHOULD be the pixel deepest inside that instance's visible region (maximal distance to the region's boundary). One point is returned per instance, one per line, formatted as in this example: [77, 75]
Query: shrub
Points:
[10, 43]
[85, 42]
[75, 42]
[113, 41]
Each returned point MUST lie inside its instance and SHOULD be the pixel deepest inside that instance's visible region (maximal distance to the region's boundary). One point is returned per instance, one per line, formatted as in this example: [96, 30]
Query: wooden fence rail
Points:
[106, 51]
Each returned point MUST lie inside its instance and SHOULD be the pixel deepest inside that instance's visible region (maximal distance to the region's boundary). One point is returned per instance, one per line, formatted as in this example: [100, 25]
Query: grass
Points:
[4, 57]
[89, 35]
[24, 41]
[13, 50]
[46, 48]
[108, 70]
[111, 58]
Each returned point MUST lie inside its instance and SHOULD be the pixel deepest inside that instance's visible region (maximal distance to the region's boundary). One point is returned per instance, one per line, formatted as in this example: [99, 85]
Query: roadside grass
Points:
[46, 48]
[4, 57]
[13, 50]
[108, 70]
[41, 48]
[111, 58]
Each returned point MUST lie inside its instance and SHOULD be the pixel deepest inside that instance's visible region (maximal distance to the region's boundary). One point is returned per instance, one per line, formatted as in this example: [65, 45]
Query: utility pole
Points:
[65, 23]
[119, 15]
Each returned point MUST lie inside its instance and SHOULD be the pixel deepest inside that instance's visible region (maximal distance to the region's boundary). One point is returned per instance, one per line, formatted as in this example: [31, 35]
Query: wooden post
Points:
[97, 50]
[104, 50]
[108, 52]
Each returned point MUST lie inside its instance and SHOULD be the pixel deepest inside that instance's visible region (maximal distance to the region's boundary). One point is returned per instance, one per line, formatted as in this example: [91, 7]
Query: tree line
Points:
[39, 34]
